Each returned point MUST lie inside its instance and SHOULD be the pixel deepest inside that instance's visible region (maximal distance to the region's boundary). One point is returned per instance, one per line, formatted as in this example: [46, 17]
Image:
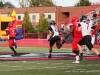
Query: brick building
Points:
[58, 13]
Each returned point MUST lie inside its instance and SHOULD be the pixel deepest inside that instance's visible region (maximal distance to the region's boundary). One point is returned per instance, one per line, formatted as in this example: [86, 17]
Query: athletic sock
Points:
[81, 54]
[13, 50]
[77, 58]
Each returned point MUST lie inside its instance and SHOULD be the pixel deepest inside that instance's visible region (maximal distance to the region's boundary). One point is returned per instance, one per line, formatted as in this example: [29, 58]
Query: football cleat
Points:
[49, 56]
[76, 62]
[61, 45]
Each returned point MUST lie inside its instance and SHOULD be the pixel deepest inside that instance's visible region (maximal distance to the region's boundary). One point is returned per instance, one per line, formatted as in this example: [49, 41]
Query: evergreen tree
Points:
[1, 4]
[42, 25]
[83, 3]
[27, 23]
[6, 4]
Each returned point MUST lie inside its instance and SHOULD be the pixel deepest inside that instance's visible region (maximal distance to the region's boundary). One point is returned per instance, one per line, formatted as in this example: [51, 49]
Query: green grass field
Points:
[47, 67]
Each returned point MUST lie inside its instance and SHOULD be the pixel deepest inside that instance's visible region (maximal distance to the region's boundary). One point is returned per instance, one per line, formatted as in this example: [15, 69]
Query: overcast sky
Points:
[58, 2]
[70, 2]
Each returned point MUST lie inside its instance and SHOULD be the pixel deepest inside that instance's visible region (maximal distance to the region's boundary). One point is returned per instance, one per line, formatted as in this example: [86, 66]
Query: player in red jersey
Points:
[77, 36]
[15, 44]
[12, 32]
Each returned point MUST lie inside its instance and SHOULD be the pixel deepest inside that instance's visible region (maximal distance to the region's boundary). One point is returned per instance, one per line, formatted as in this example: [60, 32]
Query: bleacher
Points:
[87, 10]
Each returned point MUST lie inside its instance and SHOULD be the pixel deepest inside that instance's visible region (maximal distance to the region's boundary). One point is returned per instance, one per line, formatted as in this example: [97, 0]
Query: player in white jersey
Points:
[86, 40]
[54, 37]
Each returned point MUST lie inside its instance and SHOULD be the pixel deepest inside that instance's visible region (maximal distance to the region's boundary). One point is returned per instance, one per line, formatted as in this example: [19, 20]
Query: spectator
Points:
[62, 25]
[94, 15]
[98, 28]
[82, 14]
[99, 15]
[66, 29]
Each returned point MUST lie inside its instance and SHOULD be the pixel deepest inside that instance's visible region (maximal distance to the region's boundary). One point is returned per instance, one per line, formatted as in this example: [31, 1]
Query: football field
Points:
[89, 65]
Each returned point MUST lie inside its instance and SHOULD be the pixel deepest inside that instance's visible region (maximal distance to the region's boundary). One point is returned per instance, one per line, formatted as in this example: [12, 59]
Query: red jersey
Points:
[98, 26]
[76, 33]
[77, 36]
[94, 31]
[12, 32]
[99, 15]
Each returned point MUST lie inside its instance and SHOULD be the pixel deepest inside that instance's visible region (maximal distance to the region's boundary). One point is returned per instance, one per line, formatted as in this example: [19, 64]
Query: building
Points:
[58, 13]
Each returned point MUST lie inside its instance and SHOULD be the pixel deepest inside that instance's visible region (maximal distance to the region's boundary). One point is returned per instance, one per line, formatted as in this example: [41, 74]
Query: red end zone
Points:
[38, 43]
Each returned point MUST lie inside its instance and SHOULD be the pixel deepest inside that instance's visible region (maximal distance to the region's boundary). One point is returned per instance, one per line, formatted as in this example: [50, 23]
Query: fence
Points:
[35, 35]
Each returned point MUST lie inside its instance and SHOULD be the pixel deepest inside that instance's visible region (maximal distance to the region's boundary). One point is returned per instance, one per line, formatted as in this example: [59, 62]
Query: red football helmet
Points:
[75, 19]
[10, 24]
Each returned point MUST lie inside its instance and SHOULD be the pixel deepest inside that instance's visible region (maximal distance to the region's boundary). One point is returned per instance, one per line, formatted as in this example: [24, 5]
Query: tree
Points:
[35, 3]
[1, 4]
[27, 25]
[9, 5]
[6, 4]
[23, 3]
[83, 3]
[42, 25]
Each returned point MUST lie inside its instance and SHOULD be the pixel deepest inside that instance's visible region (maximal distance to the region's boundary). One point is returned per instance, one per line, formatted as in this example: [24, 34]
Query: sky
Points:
[58, 2]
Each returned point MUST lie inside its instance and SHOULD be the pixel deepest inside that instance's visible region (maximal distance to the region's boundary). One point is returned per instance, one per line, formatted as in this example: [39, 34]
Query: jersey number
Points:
[13, 31]
[87, 25]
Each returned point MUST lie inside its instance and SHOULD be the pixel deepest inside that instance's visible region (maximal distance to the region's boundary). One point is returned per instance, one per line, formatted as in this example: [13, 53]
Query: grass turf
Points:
[47, 67]
[55, 67]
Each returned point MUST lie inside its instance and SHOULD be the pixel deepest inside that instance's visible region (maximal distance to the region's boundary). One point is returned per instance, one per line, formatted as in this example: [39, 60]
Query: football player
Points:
[77, 36]
[12, 32]
[86, 40]
[54, 37]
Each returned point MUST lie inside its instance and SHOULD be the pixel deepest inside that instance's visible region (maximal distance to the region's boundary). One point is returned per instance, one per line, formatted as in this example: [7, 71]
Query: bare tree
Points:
[23, 3]
[35, 3]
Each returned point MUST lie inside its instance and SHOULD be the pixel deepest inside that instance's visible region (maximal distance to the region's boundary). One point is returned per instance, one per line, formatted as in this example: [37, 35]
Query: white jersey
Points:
[86, 28]
[55, 29]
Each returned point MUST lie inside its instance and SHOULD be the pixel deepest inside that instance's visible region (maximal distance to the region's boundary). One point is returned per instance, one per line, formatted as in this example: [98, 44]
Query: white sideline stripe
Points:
[25, 68]
[5, 56]
[78, 69]
[62, 68]
[50, 67]
[57, 63]
[4, 65]
[15, 66]
[43, 63]
[60, 53]
[31, 54]
[84, 71]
